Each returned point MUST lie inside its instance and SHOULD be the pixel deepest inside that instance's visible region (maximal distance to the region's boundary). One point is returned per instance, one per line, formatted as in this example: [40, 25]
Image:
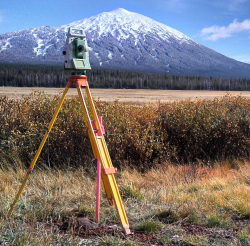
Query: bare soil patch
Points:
[213, 235]
[126, 95]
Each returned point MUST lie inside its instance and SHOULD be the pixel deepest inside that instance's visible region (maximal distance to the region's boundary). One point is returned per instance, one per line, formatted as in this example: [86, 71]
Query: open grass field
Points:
[183, 169]
[127, 95]
[168, 206]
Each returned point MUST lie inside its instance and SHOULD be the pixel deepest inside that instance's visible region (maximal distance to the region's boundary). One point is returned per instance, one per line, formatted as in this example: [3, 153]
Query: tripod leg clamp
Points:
[109, 170]
[30, 169]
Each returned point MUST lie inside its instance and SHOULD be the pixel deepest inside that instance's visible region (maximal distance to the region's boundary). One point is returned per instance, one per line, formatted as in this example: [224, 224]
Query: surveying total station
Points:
[77, 59]
[76, 51]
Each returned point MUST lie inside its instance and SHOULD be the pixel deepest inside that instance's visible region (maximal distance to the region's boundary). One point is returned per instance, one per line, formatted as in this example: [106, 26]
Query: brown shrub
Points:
[136, 135]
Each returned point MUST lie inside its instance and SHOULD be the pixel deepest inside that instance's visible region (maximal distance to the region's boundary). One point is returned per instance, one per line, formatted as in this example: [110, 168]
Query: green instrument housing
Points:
[80, 49]
[76, 51]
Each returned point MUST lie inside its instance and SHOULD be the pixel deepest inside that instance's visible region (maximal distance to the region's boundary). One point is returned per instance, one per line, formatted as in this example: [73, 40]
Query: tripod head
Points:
[76, 54]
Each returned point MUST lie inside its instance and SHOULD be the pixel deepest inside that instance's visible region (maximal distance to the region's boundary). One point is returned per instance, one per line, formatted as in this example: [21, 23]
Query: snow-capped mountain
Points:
[122, 40]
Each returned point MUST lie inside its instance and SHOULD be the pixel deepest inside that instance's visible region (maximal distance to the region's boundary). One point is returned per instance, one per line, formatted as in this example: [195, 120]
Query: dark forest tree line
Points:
[55, 76]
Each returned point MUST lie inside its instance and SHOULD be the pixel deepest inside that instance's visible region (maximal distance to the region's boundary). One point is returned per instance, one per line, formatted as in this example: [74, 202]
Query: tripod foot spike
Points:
[127, 232]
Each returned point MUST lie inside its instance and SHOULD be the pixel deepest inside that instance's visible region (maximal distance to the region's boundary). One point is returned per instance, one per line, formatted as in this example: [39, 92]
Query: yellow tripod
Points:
[99, 148]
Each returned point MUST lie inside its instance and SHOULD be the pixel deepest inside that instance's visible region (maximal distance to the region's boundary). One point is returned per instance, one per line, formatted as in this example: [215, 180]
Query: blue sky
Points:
[222, 25]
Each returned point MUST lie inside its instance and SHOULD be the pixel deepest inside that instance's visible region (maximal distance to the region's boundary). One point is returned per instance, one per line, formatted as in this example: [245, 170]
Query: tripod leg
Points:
[92, 139]
[39, 150]
[104, 157]
[104, 177]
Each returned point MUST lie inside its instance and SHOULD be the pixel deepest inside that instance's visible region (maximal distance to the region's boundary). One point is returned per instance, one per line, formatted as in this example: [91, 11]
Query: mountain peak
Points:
[121, 39]
[123, 24]
[120, 11]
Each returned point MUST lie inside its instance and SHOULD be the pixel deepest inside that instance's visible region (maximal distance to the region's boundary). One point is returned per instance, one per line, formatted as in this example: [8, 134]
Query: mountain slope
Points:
[122, 40]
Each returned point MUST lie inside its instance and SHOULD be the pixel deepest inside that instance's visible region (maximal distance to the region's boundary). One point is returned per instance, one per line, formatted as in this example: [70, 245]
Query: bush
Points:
[215, 129]
[140, 136]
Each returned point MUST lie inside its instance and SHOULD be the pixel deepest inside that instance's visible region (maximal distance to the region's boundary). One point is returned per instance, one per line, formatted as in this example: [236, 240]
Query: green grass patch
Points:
[217, 220]
[149, 226]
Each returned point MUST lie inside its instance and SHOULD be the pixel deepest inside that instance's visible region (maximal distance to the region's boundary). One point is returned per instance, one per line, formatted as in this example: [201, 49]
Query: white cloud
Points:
[216, 32]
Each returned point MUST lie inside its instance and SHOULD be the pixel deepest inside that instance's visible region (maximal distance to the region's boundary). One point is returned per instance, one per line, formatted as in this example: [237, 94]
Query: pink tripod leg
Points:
[98, 190]
[98, 184]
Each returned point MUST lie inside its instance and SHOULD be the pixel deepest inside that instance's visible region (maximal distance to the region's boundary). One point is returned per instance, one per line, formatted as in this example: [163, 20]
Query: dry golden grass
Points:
[208, 196]
[127, 95]
[189, 189]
